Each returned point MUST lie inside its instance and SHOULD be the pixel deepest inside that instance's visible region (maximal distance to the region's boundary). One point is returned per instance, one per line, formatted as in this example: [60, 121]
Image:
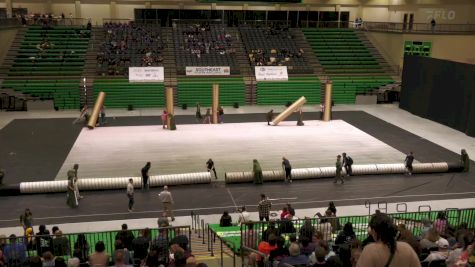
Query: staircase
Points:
[90, 66]
[244, 66]
[388, 69]
[312, 60]
[169, 61]
[201, 249]
[12, 53]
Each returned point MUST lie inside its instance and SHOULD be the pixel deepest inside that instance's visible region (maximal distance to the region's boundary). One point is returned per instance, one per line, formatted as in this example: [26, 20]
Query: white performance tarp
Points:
[208, 71]
[271, 73]
[146, 74]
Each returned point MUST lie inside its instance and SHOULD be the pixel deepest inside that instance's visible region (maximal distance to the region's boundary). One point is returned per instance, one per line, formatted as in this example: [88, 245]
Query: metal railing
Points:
[417, 27]
[66, 245]
[157, 22]
[10, 22]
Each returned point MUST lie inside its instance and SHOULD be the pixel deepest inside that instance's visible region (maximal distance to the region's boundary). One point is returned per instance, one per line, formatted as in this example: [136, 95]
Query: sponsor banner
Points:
[271, 73]
[208, 71]
[146, 74]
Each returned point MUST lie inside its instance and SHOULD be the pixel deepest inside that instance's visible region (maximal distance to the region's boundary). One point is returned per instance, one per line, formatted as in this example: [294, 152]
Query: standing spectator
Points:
[269, 116]
[82, 247]
[386, 251]
[288, 169]
[291, 209]
[26, 219]
[207, 118]
[167, 201]
[347, 163]
[130, 194]
[244, 216]
[180, 239]
[257, 172]
[225, 220]
[210, 167]
[220, 114]
[198, 115]
[164, 118]
[465, 160]
[99, 258]
[441, 224]
[14, 252]
[264, 208]
[60, 244]
[126, 236]
[140, 245]
[43, 240]
[145, 175]
[307, 230]
[338, 166]
[408, 163]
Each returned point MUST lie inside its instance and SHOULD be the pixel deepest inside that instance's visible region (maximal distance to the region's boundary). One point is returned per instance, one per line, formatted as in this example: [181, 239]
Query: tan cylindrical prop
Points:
[96, 110]
[169, 96]
[327, 112]
[294, 107]
[215, 104]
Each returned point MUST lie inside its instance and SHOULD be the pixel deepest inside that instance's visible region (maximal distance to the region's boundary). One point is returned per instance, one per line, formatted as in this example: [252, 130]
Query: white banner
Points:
[271, 73]
[208, 71]
[146, 74]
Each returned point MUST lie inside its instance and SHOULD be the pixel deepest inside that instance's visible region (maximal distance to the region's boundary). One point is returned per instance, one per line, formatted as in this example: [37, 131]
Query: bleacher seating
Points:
[340, 51]
[64, 55]
[193, 90]
[345, 88]
[120, 93]
[281, 92]
[128, 45]
[65, 93]
[264, 44]
[203, 45]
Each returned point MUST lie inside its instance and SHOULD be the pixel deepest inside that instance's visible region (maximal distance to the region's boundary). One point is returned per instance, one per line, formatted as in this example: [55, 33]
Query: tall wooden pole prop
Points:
[96, 110]
[328, 102]
[287, 112]
[169, 95]
[215, 102]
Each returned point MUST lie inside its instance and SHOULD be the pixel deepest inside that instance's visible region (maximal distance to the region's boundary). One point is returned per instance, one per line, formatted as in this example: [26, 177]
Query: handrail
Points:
[129, 20]
[417, 27]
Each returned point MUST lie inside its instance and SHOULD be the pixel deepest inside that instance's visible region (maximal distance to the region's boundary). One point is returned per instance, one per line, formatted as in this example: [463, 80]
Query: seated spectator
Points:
[124, 252]
[60, 262]
[441, 254]
[75, 260]
[225, 220]
[244, 216]
[386, 250]
[306, 247]
[264, 247]
[35, 261]
[460, 256]
[250, 237]
[319, 258]
[14, 253]
[48, 259]
[161, 245]
[407, 236]
[429, 241]
[286, 226]
[346, 236]
[43, 241]
[121, 258]
[280, 252]
[325, 228]
[441, 224]
[356, 250]
[177, 256]
[140, 244]
[307, 230]
[99, 258]
[180, 239]
[426, 226]
[271, 230]
[295, 258]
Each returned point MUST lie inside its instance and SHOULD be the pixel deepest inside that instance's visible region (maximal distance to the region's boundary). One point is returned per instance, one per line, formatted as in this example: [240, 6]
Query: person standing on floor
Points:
[338, 166]
[257, 172]
[288, 169]
[207, 118]
[164, 119]
[72, 200]
[269, 116]
[130, 194]
[167, 201]
[347, 163]
[220, 115]
[300, 119]
[408, 163]
[210, 167]
[102, 119]
[465, 160]
[145, 176]
[198, 113]
[76, 181]
[26, 219]
[264, 208]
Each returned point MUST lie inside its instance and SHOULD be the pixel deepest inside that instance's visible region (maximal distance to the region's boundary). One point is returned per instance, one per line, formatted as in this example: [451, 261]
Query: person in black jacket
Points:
[225, 220]
[145, 175]
[408, 163]
[126, 236]
[347, 163]
[346, 236]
